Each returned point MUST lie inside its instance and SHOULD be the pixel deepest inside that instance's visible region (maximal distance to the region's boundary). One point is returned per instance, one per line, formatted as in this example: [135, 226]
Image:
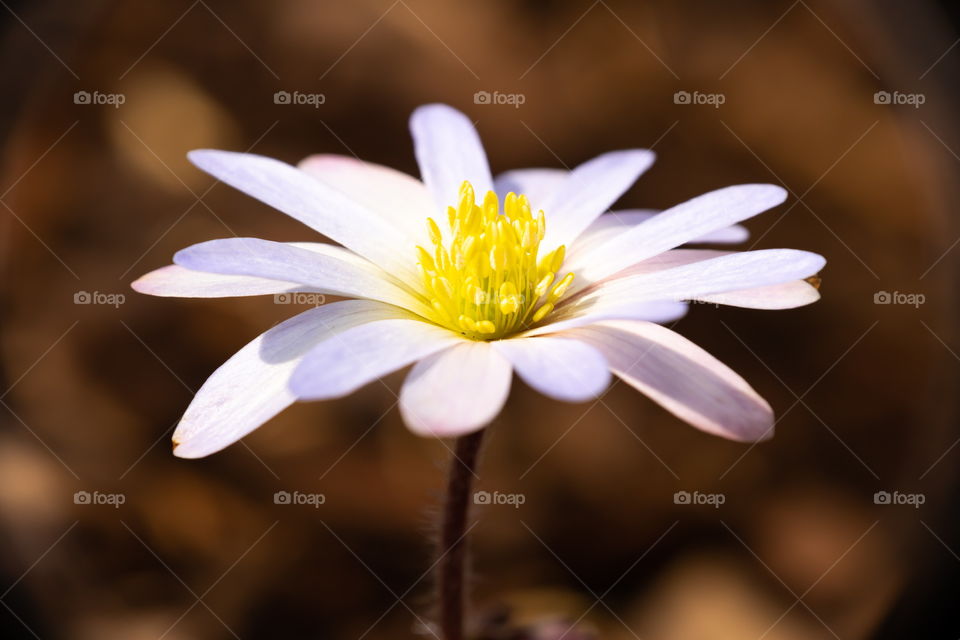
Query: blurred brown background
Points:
[93, 195]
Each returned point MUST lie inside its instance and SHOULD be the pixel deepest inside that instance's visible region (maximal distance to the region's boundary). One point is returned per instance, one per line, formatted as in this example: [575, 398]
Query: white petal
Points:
[659, 312]
[394, 195]
[538, 185]
[361, 355]
[323, 268]
[449, 151]
[623, 297]
[251, 387]
[683, 378]
[558, 367]
[455, 391]
[610, 225]
[788, 295]
[177, 282]
[669, 260]
[174, 281]
[720, 274]
[677, 225]
[312, 202]
[588, 191]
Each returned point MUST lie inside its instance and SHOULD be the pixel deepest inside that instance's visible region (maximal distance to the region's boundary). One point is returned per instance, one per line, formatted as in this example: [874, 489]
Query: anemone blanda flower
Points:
[470, 278]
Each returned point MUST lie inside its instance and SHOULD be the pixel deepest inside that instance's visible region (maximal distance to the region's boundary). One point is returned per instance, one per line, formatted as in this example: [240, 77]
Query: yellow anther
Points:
[443, 287]
[486, 327]
[509, 300]
[466, 204]
[498, 257]
[510, 204]
[544, 284]
[486, 275]
[561, 287]
[434, 231]
[526, 238]
[491, 206]
[468, 248]
[525, 212]
[425, 259]
[441, 259]
[503, 228]
[558, 255]
[542, 312]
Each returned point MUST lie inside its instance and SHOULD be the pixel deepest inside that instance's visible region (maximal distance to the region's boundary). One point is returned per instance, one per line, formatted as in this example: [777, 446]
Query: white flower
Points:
[471, 278]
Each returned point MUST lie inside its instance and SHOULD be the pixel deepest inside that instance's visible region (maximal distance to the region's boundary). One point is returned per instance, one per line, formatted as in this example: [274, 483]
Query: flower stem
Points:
[453, 535]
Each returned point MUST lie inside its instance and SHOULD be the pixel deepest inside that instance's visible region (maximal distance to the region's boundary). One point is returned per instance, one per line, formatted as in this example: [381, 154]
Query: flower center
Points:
[484, 277]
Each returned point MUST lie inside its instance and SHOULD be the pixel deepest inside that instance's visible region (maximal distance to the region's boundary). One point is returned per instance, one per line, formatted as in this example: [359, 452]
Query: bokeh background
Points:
[93, 195]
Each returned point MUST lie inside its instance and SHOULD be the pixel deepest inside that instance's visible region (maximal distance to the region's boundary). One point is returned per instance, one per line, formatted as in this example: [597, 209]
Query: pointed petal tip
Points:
[640, 160]
[437, 107]
[189, 443]
[775, 192]
[747, 430]
[813, 262]
[644, 157]
[182, 257]
[753, 429]
[152, 282]
[207, 160]
[755, 437]
[188, 450]
[178, 449]
[770, 195]
[198, 156]
[141, 285]
[434, 113]
[763, 425]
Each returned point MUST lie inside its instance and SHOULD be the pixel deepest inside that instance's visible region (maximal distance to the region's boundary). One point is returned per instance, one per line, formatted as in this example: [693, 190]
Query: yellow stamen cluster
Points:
[485, 278]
